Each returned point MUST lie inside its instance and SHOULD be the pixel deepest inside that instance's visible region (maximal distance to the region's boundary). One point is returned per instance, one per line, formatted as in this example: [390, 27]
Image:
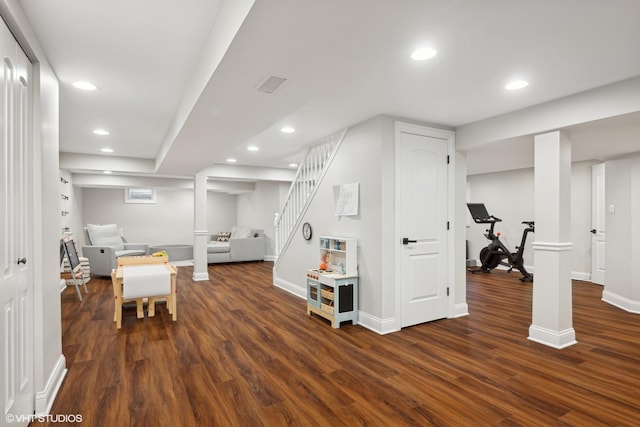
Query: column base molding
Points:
[555, 339]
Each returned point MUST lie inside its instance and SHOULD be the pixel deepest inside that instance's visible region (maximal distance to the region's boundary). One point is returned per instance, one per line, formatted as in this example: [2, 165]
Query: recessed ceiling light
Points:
[231, 160]
[101, 132]
[287, 129]
[516, 84]
[424, 53]
[108, 172]
[84, 85]
[293, 165]
[252, 148]
[106, 150]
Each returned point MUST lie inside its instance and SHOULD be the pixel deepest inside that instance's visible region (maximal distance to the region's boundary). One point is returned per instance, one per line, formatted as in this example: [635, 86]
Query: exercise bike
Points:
[496, 253]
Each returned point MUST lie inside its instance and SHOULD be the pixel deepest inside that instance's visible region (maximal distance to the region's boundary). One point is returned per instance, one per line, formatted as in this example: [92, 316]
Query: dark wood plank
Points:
[244, 353]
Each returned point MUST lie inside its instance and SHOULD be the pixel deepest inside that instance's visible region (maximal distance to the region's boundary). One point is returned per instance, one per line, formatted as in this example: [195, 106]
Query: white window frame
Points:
[140, 195]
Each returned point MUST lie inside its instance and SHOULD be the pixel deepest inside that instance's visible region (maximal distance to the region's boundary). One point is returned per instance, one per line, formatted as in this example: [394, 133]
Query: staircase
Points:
[310, 172]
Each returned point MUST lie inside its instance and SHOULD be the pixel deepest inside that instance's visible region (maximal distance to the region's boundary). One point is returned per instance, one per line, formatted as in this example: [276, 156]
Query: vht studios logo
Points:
[49, 418]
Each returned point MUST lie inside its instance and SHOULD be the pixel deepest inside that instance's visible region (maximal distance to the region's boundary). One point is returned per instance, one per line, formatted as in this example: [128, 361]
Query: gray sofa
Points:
[244, 244]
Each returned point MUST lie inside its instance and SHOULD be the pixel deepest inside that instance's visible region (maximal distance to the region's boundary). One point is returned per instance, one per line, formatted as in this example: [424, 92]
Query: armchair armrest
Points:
[102, 259]
[137, 246]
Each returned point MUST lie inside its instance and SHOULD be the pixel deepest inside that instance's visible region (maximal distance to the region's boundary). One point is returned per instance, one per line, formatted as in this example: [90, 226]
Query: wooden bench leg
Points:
[140, 308]
[151, 309]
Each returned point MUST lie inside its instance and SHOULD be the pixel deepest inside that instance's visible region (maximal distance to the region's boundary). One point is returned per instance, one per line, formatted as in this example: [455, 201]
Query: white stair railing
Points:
[316, 160]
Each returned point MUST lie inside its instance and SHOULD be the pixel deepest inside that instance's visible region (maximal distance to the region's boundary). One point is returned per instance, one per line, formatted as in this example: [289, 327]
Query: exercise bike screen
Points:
[478, 212]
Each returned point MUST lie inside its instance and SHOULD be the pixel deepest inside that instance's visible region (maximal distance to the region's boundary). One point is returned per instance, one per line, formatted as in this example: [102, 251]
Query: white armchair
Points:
[104, 245]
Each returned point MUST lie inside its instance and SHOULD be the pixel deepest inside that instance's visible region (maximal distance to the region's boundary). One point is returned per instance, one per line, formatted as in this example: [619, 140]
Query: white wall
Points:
[509, 195]
[367, 156]
[222, 211]
[622, 194]
[256, 209]
[168, 221]
[358, 160]
[73, 205]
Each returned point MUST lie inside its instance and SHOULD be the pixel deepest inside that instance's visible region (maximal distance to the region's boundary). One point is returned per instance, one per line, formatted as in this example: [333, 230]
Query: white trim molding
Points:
[292, 288]
[552, 246]
[621, 302]
[460, 310]
[45, 398]
[199, 277]
[200, 232]
[376, 324]
[555, 339]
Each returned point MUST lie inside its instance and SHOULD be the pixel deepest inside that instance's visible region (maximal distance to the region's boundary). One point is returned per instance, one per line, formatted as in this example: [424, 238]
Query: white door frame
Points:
[449, 136]
[598, 217]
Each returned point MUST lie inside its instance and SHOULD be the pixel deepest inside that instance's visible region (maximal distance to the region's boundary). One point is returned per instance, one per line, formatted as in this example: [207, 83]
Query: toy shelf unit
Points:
[340, 254]
[332, 292]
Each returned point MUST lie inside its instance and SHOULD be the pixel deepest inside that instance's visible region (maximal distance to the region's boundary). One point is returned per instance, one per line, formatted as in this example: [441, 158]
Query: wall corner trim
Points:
[45, 398]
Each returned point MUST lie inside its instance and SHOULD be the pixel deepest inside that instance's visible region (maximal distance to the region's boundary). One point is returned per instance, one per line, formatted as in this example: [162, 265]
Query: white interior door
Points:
[16, 286]
[421, 187]
[598, 209]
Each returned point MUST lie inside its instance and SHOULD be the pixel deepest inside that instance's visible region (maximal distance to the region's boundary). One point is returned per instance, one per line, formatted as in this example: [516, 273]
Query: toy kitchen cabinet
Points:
[332, 291]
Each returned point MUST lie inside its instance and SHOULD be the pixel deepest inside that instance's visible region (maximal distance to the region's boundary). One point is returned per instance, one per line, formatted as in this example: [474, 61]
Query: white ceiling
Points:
[178, 82]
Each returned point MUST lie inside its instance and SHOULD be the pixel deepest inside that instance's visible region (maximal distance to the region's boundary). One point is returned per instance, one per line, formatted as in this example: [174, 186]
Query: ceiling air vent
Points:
[271, 84]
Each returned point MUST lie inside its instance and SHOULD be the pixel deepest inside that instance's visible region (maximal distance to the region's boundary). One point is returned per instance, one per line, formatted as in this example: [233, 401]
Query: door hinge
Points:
[448, 159]
[447, 225]
[447, 291]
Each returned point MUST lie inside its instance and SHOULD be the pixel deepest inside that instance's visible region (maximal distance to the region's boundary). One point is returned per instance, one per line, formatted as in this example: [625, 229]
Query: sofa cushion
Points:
[105, 235]
[241, 232]
[217, 247]
[224, 236]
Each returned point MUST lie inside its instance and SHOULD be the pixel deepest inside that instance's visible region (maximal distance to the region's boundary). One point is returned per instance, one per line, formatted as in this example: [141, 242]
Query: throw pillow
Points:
[224, 236]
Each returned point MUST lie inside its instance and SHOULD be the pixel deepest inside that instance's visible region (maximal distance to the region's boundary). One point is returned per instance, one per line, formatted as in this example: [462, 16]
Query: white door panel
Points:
[16, 287]
[422, 213]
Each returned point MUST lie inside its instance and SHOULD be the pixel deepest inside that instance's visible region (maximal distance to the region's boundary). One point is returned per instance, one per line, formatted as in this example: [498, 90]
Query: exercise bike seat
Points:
[529, 223]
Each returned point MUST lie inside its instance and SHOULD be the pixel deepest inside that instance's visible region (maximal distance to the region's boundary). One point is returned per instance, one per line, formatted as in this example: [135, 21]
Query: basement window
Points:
[139, 195]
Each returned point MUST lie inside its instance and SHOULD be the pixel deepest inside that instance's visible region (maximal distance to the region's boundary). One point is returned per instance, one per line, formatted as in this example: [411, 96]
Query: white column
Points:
[200, 233]
[552, 310]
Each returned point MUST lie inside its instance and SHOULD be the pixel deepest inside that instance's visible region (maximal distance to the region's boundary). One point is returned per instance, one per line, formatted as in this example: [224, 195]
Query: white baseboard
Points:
[555, 339]
[45, 398]
[197, 277]
[621, 302]
[271, 258]
[580, 275]
[576, 275]
[461, 310]
[292, 288]
[377, 325]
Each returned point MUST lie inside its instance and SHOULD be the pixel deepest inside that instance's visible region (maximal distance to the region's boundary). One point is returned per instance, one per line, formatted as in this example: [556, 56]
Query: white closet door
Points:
[16, 248]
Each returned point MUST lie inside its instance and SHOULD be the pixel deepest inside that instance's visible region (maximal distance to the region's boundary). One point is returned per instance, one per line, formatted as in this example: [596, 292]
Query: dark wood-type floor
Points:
[244, 353]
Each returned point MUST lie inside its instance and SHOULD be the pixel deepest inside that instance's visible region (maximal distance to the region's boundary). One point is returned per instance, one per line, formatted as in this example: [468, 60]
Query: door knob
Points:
[406, 241]
[593, 231]
[22, 260]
